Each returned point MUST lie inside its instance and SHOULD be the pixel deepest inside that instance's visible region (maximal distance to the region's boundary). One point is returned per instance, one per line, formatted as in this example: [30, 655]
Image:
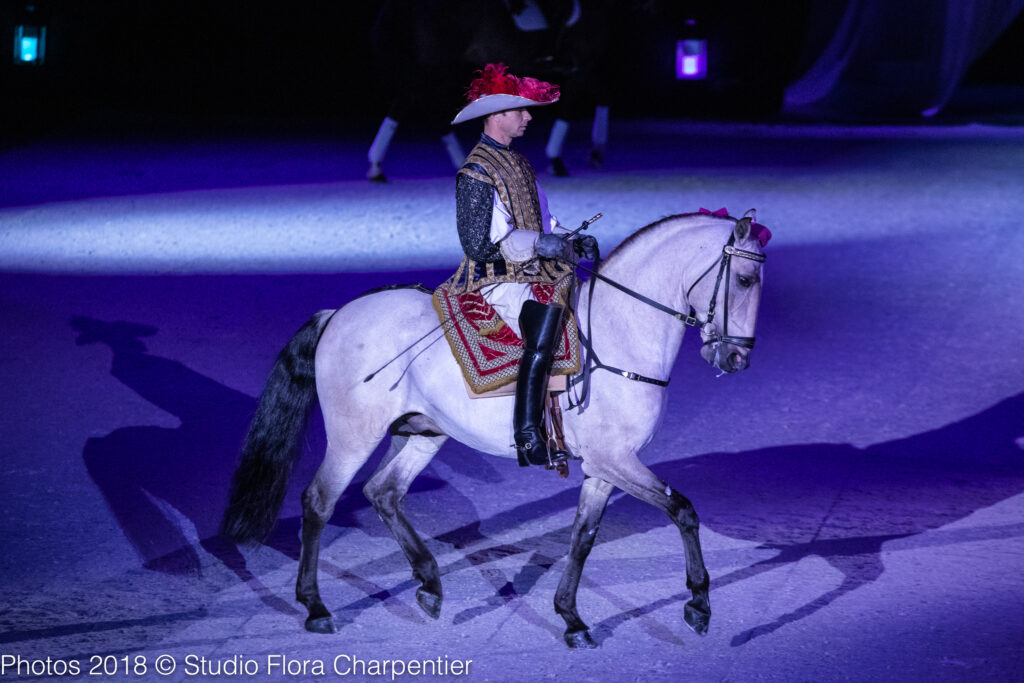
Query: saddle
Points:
[487, 350]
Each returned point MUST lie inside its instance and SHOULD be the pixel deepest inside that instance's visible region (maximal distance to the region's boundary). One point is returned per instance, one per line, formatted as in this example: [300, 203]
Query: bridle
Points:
[724, 263]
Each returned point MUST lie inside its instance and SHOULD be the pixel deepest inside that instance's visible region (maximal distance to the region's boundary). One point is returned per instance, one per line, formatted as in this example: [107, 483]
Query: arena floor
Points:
[860, 486]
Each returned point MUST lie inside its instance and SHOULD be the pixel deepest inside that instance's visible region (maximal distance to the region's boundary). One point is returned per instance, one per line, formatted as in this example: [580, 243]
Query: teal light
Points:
[29, 49]
[29, 45]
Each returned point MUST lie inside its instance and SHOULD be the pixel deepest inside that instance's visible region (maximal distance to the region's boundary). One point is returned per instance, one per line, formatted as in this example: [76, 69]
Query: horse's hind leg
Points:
[593, 500]
[386, 490]
[633, 477]
[333, 477]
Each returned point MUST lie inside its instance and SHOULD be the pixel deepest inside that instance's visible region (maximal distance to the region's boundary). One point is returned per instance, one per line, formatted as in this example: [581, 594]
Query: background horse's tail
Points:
[272, 444]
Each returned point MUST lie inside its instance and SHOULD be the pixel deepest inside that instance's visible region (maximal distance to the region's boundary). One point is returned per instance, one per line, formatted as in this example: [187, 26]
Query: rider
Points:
[510, 238]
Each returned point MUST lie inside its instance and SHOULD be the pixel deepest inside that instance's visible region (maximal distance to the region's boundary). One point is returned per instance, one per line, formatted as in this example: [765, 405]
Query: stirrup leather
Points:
[558, 453]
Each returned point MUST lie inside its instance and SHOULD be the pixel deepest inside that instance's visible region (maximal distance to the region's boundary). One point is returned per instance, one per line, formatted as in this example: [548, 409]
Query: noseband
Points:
[724, 263]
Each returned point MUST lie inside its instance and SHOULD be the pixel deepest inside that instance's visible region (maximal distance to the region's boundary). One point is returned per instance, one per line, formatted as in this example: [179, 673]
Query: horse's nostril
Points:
[737, 361]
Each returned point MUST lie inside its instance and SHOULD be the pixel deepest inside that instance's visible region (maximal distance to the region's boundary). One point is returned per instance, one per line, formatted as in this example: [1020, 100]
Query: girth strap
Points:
[590, 361]
[593, 361]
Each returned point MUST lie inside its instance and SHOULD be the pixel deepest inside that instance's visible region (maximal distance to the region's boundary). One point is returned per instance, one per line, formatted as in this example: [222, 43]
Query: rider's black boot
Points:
[539, 324]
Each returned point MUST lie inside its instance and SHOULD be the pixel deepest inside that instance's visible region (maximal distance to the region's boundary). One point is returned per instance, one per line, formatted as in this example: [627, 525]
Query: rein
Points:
[724, 263]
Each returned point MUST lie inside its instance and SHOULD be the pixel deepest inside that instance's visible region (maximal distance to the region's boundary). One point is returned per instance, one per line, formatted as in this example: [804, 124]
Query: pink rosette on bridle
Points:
[759, 232]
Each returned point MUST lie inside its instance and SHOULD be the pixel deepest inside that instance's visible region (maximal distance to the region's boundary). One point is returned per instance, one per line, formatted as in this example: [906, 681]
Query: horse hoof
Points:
[375, 174]
[557, 167]
[580, 640]
[320, 625]
[429, 602]
[697, 618]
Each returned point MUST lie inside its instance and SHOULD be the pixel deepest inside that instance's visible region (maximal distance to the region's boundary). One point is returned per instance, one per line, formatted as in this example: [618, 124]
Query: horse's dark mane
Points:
[647, 228]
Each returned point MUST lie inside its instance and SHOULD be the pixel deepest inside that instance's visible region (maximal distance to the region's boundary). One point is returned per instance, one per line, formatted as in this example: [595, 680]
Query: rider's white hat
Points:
[497, 90]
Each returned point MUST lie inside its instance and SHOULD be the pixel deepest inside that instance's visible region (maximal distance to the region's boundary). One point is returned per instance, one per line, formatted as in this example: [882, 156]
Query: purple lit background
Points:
[861, 486]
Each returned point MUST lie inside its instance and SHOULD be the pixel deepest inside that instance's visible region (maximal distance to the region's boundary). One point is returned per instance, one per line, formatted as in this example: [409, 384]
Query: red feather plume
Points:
[494, 79]
[540, 91]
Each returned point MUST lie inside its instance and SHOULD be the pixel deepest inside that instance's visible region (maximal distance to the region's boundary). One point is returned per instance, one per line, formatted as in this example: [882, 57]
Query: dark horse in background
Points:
[427, 50]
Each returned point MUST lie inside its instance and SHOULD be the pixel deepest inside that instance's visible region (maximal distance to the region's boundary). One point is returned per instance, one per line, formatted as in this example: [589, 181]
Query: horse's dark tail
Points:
[259, 484]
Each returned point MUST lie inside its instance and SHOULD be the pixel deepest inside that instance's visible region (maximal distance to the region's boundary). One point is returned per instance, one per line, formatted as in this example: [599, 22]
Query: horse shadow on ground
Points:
[167, 487]
[846, 504]
[836, 502]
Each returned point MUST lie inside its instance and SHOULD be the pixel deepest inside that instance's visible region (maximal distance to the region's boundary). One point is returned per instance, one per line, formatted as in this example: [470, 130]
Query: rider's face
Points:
[510, 124]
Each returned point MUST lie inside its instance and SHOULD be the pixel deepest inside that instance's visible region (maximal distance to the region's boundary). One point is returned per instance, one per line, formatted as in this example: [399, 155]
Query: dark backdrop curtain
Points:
[877, 58]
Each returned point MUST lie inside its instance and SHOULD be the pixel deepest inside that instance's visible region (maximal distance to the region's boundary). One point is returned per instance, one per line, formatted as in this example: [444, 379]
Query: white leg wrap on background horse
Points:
[557, 139]
[379, 147]
[599, 133]
[454, 149]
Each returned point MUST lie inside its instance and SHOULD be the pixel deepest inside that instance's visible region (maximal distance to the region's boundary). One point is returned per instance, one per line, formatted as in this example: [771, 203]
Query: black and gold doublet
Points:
[486, 350]
[494, 168]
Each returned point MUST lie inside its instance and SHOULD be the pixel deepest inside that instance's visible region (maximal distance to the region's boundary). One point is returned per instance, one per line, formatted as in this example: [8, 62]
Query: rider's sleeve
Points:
[515, 245]
[549, 222]
[478, 204]
[501, 220]
[474, 206]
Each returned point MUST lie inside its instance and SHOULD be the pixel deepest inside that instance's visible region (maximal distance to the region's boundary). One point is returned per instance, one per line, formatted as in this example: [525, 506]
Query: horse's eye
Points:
[745, 281]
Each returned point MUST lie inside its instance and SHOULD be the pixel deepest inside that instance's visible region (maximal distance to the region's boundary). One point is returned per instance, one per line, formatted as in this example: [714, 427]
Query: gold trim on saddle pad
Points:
[489, 361]
[556, 384]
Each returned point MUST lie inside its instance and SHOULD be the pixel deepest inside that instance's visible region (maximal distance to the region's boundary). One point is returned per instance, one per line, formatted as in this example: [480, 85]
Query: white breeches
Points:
[507, 299]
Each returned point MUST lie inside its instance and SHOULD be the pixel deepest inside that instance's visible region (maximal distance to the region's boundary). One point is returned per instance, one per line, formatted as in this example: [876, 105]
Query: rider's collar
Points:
[488, 140]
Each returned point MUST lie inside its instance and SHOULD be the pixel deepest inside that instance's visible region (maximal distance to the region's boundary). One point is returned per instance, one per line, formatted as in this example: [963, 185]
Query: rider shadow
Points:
[167, 487]
[836, 502]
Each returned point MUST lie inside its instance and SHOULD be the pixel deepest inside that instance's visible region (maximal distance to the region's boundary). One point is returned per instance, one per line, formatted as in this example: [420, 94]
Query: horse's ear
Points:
[742, 229]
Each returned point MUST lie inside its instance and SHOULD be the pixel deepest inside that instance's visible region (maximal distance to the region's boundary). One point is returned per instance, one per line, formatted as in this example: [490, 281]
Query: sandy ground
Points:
[861, 486]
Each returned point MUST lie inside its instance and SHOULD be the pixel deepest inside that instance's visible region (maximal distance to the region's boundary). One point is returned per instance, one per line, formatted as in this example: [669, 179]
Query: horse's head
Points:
[731, 286]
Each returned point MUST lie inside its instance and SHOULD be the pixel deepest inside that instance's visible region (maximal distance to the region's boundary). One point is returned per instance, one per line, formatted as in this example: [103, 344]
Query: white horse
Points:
[421, 402]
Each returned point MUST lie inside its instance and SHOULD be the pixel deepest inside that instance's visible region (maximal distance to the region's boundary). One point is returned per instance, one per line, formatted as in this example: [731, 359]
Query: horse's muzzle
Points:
[736, 361]
[725, 357]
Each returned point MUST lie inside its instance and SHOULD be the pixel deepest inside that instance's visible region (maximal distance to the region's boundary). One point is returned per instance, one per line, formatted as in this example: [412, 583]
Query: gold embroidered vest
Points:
[515, 182]
[508, 172]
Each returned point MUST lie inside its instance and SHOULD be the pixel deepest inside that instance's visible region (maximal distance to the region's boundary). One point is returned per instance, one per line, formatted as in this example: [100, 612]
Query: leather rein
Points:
[724, 263]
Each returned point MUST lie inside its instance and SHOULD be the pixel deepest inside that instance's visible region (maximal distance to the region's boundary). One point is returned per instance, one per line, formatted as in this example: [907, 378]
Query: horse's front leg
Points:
[697, 612]
[593, 500]
[633, 477]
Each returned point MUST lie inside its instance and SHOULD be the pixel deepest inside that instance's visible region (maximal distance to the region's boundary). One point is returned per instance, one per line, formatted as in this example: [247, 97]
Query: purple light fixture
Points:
[691, 54]
[691, 59]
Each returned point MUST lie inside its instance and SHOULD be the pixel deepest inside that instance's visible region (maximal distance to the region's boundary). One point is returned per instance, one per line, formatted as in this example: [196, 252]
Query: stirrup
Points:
[558, 459]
